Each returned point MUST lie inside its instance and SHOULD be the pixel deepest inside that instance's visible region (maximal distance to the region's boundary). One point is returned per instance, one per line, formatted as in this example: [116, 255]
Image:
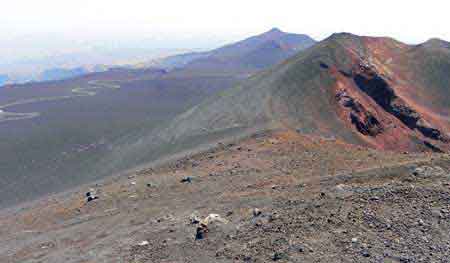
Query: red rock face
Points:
[363, 120]
[372, 99]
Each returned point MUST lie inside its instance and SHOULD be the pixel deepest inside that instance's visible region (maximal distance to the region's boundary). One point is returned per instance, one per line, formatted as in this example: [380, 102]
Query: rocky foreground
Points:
[271, 197]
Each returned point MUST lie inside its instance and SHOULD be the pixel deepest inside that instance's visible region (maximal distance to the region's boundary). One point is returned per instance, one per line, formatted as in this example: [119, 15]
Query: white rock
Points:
[143, 243]
[256, 212]
[211, 218]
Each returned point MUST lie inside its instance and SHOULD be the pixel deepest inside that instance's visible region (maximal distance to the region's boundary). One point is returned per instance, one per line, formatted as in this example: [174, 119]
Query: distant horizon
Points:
[25, 67]
[29, 27]
[38, 35]
[156, 43]
[162, 41]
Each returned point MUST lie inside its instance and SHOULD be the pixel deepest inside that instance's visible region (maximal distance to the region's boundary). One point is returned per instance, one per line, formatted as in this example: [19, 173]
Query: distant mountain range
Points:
[249, 55]
[51, 74]
[61, 73]
[254, 53]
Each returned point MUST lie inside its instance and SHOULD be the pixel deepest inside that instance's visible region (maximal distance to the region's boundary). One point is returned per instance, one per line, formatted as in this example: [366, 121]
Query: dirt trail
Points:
[90, 90]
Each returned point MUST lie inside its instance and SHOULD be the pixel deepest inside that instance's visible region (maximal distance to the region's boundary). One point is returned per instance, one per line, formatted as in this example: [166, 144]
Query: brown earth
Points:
[280, 196]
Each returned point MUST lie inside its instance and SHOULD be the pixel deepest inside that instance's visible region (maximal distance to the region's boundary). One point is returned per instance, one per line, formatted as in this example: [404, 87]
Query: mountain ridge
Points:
[245, 53]
[343, 69]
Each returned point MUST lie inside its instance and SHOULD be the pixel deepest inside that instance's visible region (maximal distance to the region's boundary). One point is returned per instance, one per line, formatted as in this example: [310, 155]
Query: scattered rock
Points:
[274, 217]
[273, 141]
[48, 245]
[194, 219]
[365, 253]
[143, 243]
[187, 179]
[428, 171]
[374, 198]
[201, 232]
[279, 256]
[421, 222]
[256, 212]
[213, 218]
[91, 196]
[203, 225]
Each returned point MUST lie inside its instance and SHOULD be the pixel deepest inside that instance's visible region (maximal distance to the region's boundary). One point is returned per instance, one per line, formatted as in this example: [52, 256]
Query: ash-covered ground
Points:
[277, 196]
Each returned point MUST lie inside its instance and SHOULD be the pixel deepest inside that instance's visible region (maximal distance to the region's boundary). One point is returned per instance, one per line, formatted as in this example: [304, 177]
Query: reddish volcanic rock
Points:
[373, 101]
[370, 91]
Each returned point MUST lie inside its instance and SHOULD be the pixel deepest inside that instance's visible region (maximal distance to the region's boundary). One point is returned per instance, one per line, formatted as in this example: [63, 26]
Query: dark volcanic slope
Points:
[374, 91]
[66, 142]
[255, 53]
[62, 146]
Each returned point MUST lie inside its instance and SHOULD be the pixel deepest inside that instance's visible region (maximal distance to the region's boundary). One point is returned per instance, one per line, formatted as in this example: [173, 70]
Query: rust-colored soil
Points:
[314, 196]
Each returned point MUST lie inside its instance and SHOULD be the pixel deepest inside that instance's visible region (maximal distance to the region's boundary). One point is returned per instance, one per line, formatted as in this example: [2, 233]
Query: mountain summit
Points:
[254, 53]
[273, 33]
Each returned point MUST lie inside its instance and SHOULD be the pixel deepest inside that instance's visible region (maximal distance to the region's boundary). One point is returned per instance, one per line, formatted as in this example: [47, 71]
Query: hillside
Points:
[59, 130]
[373, 92]
[279, 196]
[85, 128]
[254, 53]
[370, 91]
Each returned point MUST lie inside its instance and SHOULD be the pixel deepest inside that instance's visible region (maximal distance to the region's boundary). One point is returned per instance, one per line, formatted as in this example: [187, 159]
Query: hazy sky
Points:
[35, 22]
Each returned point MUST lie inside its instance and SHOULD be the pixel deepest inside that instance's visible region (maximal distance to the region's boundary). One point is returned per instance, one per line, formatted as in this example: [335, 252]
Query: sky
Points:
[33, 26]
